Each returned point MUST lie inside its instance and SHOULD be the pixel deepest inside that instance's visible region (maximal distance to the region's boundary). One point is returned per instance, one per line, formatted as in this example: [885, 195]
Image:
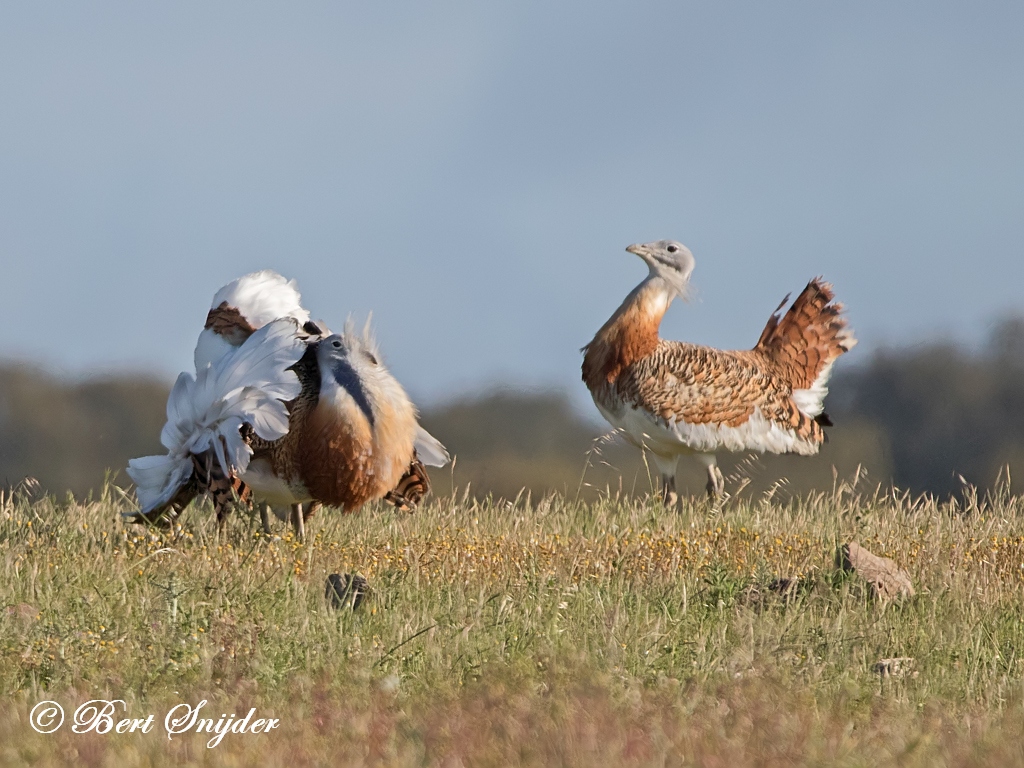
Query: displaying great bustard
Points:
[673, 398]
[282, 409]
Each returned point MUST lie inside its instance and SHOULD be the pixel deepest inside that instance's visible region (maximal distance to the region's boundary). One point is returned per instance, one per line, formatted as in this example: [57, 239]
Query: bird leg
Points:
[265, 518]
[667, 468]
[311, 509]
[669, 497]
[716, 482]
[298, 522]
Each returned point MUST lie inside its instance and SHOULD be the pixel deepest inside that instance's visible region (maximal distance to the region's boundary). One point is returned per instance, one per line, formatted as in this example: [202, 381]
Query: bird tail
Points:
[245, 391]
[805, 342]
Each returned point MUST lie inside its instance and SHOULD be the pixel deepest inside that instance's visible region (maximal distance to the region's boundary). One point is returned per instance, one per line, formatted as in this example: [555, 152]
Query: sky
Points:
[471, 173]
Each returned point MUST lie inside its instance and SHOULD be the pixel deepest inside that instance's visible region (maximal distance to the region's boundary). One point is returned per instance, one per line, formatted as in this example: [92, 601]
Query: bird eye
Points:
[672, 249]
[336, 344]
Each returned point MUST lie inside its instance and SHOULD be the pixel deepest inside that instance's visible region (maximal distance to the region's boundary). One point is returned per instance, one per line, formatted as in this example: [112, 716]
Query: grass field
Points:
[527, 633]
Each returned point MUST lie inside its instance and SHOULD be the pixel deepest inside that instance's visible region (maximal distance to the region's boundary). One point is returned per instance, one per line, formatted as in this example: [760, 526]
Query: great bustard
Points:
[283, 409]
[673, 398]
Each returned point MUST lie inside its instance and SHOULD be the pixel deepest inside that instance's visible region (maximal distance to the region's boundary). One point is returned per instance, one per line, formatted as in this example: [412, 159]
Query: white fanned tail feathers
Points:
[246, 385]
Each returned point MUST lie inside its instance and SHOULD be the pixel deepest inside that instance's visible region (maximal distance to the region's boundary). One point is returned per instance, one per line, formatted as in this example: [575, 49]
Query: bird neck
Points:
[630, 334]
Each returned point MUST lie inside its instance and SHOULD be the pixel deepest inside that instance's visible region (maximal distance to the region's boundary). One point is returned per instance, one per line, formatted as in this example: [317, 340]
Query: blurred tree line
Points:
[67, 434]
[926, 418]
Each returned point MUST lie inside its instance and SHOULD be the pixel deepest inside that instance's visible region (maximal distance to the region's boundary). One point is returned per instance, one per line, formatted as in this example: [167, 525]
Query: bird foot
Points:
[716, 485]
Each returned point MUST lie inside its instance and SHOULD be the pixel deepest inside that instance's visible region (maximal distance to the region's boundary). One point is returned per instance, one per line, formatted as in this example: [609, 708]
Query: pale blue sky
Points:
[471, 172]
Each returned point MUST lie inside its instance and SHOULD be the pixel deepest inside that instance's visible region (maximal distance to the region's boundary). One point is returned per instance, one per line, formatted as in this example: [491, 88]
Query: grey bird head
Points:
[668, 260]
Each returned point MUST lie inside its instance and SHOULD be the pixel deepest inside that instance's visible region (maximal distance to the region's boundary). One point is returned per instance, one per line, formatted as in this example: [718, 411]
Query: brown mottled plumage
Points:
[673, 397]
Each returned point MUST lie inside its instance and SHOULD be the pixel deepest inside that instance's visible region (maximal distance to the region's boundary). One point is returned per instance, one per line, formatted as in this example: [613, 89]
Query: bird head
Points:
[668, 260]
[345, 363]
[352, 361]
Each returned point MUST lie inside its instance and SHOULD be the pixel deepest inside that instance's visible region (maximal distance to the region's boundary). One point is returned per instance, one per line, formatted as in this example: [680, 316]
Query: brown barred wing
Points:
[225, 489]
[693, 384]
[414, 485]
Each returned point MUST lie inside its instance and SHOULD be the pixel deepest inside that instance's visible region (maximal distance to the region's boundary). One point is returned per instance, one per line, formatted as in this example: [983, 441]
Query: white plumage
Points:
[429, 449]
[263, 297]
[249, 384]
[260, 298]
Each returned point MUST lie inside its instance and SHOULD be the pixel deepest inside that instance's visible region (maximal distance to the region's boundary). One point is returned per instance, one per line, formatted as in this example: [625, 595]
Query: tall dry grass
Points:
[547, 632]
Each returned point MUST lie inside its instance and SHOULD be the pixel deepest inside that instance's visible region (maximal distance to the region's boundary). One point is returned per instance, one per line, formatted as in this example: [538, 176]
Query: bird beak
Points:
[641, 250]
